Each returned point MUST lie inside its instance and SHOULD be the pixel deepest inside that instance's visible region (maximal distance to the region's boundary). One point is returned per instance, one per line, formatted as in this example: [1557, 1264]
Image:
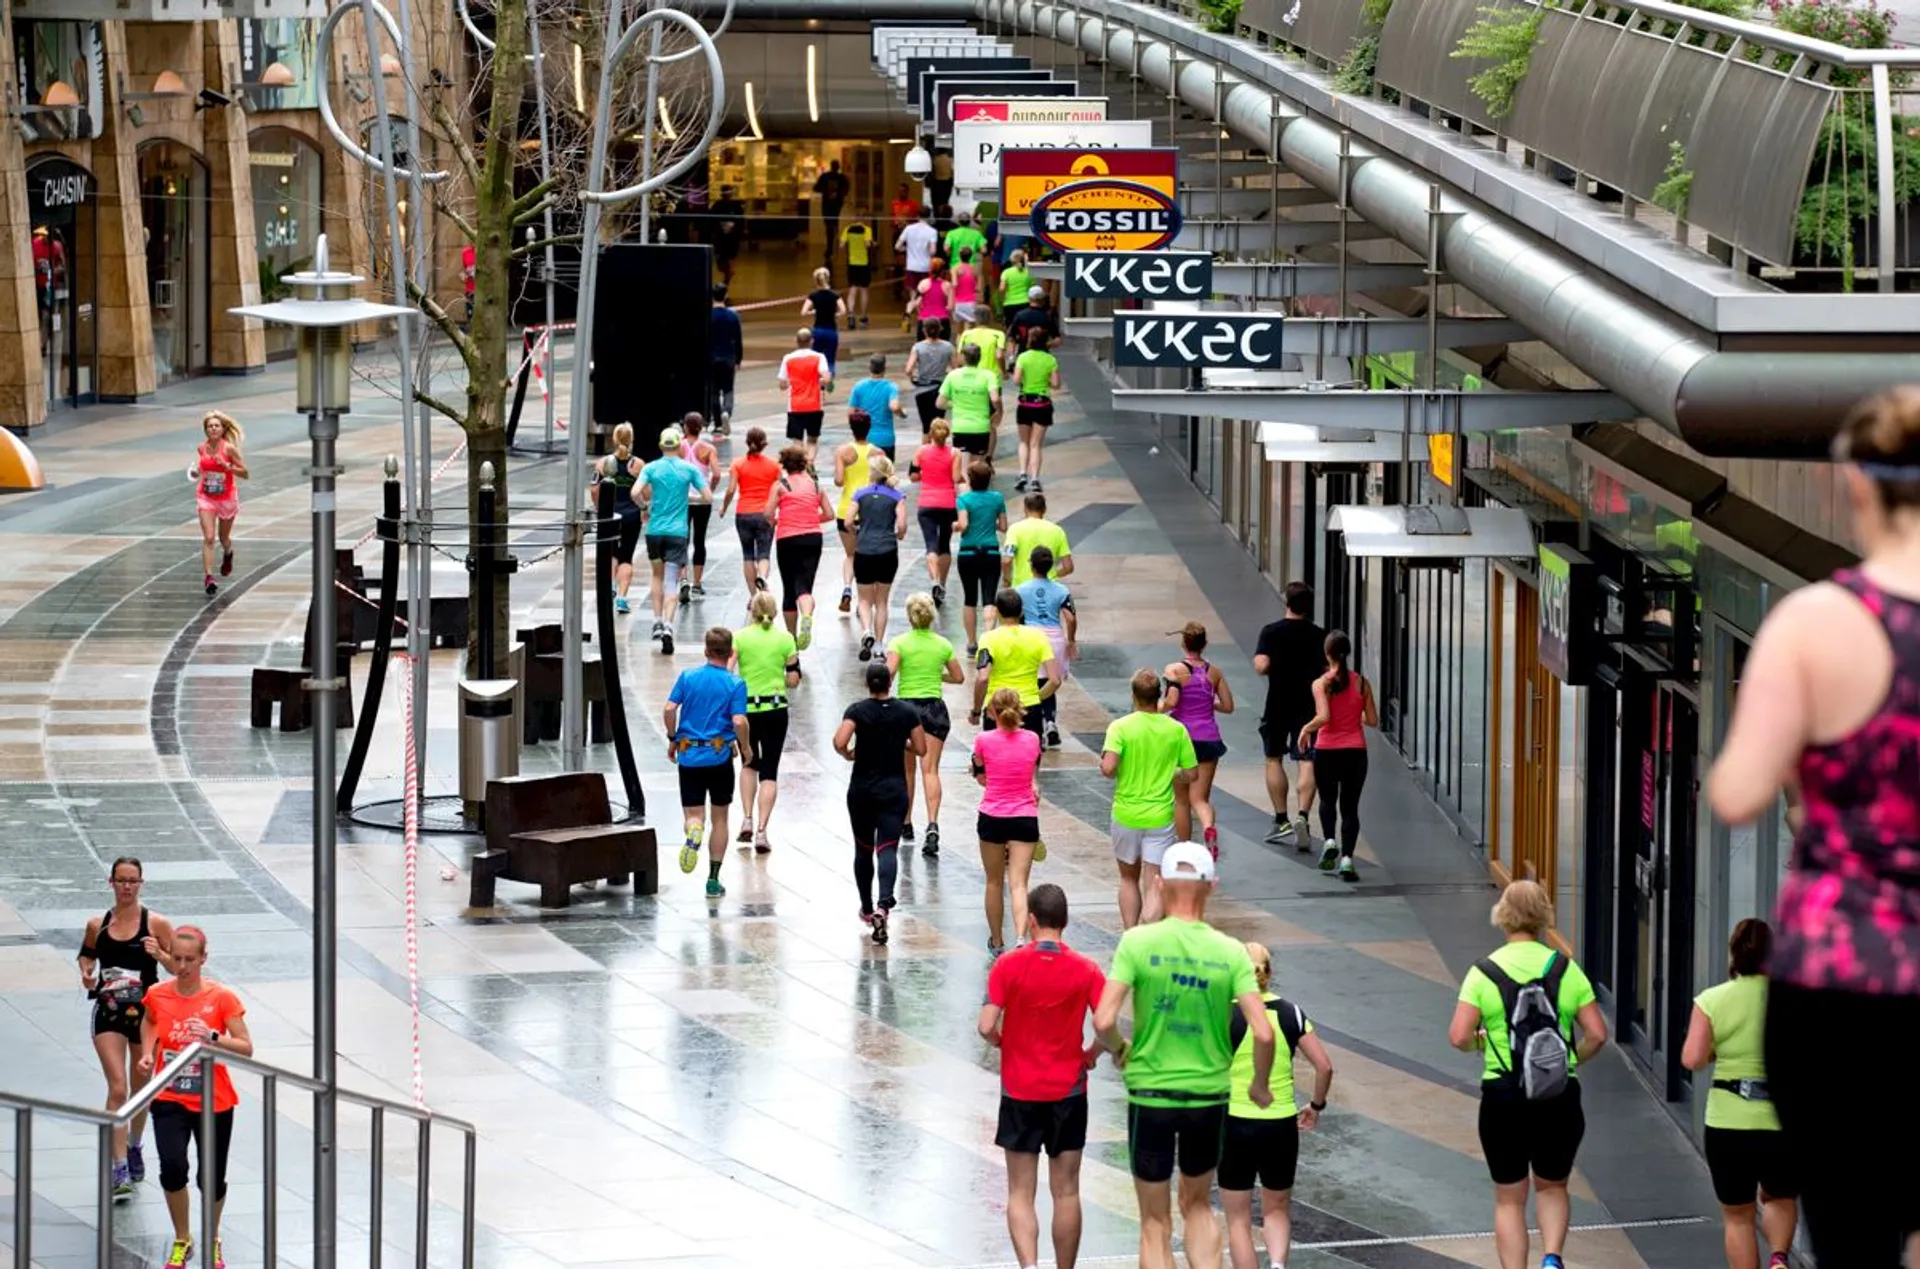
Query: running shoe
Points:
[746, 832]
[866, 647]
[846, 600]
[211, 587]
[666, 642]
[973, 650]
[714, 888]
[1020, 485]
[699, 592]
[226, 562]
[219, 1256]
[1053, 736]
[1212, 839]
[906, 831]
[994, 950]
[1039, 852]
[686, 592]
[1282, 829]
[136, 1163]
[939, 595]
[880, 927]
[1778, 1261]
[865, 321]
[932, 848]
[1302, 835]
[690, 848]
[759, 583]
[726, 420]
[804, 639]
[1034, 486]
[1330, 858]
[760, 843]
[621, 606]
[180, 1254]
[122, 1183]
[1552, 1261]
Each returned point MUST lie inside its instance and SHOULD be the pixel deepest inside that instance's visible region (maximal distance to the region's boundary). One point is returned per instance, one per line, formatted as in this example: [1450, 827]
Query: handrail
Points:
[1757, 32]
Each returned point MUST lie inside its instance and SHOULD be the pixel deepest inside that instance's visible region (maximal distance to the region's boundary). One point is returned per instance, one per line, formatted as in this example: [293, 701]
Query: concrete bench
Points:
[555, 832]
[273, 686]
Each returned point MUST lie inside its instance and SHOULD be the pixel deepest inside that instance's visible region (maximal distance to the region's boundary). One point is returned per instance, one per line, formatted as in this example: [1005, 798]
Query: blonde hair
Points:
[822, 277]
[623, 440]
[229, 430]
[1018, 259]
[1006, 709]
[1262, 963]
[880, 468]
[764, 608]
[920, 610]
[939, 432]
[1524, 908]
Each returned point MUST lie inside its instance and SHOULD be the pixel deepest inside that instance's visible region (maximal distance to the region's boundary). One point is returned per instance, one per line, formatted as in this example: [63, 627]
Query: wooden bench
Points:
[273, 686]
[544, 680]
[554, 831]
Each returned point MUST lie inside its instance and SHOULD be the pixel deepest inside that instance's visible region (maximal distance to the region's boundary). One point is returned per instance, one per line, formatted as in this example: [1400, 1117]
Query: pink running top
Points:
[933, 301]
[966, 285]
[798, 499]
[936, 478]
[1194, 709]
[1849, 917]
[217, 483]
[1009, 758]
[1344, 728]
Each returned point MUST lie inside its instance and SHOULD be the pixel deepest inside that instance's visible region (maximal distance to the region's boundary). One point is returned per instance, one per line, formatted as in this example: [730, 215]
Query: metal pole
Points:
[1884, 160]
[469, 1182]
[323, 429]
[209, 1185]
[270, 1170]
[376, 1181]
[23, 1185]
[102, 1199]
[423, 1193]
[546, 218]
[483, 566]
[651, 121]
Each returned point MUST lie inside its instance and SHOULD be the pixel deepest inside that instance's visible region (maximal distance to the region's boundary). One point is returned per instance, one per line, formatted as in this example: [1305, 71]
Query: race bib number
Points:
[190, 1081]
[213, 484]
[121, 990]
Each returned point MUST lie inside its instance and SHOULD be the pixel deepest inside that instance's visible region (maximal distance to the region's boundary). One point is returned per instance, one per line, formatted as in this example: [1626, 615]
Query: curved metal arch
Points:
[323, 56]
[715, 113]
[726, 19]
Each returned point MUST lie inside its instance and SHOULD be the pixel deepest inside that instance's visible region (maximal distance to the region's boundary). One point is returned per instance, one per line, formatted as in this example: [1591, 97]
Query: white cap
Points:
[1035, 292]
[1186, 861]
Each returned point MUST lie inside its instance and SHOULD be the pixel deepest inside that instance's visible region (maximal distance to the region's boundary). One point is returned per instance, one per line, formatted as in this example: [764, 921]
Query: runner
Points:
[798, 509]
[936, 467]
[1264, 1144]
[701, 453]
[992, 342]
[753, 477]
[971, 394]
[725, 351]
[1336, 737]
[1746, 1151]
[768, 662]
[982, 522]
[825, 308]
[921, 660]
[832, 188]
[879, 524]
[964, 237]
[1530, 1116]
[1033, 530]
[967, 290]
[730, 222]
[1047, 606]
[1037, 315]
[805, 376]
[668, 485]
[1196, 693]
[901, 213]
[879, 736]
[1038, 372]
[933, 299]
[1006, 764]
[927, 366]
[1146, 755]
[916, 244]
[851, 463]
[1038, 1000]
[218, 467]
[1015, 655]
[879, 397]
[613, 480]
[857, 240]
[1186, 979]
[117, 971]
[1290, 655]
[1829, 705]
[185, 1010]
[1015, 281]
[706, 721]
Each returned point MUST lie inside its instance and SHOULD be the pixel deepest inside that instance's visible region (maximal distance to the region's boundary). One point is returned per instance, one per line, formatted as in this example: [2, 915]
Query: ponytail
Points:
[764, 608]
[939, 432]
[1339, 649]
[1006, 709]
[623, 442]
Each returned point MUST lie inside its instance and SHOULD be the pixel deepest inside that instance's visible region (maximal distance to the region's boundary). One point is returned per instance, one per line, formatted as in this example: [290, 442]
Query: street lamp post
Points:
[322, 309]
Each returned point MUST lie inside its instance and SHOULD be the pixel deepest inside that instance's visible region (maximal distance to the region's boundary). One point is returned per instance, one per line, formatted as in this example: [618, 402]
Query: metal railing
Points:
[25, 1109]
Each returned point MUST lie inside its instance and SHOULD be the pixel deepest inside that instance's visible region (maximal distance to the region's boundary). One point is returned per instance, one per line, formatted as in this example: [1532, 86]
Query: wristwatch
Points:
[1317, 1106]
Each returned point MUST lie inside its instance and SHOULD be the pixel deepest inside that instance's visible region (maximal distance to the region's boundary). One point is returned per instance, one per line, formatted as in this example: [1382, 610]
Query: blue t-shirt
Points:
[1041, 601]
[984, 509]
[671, 480]
[708, 698]
[876, 397]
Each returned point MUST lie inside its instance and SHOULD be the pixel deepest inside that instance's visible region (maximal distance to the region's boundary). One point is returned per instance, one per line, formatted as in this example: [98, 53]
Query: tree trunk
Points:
[489, 446]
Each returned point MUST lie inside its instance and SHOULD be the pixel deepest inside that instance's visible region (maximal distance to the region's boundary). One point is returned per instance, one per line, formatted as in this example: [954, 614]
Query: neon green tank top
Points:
[763, 653]
[1289, 1024]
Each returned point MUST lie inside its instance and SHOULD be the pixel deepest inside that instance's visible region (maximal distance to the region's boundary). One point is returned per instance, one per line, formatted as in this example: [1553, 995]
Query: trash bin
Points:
[489, 737]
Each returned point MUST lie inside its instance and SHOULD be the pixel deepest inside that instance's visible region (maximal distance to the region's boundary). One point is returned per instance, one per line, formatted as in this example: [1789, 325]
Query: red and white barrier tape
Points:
[411, 819]
[889, 280]
[345, 589]
[458, 450]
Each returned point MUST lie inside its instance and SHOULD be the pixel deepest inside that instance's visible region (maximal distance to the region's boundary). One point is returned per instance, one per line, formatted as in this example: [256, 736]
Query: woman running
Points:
[1746, 1151]
[185, 1010]
[936, 467]
[1038, 373]
[879, 737]
[933, 300]
[769, 660]
[1526, 1128]
[120, 958]
[752, 477]
[613, 480]
[922, 660]
[700, 452]
[798, 509]
[966, 291]
[1196, 693]
[927, 366]
[879, 522]
[850, 475]
[1264, 1145]
[218, 467]
[1337, 738]
[1015, 281]
[1006, 763]
[982, 524]
[1829, 701]
[824, 308]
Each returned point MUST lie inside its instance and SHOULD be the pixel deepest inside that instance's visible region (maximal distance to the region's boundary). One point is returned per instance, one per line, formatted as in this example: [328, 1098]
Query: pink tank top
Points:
[933, 301]
[936, 478]
[799, 503]
[965, 285]
[216, 473]
[1343, 728]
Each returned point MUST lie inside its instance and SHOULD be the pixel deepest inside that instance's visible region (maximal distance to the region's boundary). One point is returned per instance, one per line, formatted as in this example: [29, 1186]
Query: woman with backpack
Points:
[1518, 1008]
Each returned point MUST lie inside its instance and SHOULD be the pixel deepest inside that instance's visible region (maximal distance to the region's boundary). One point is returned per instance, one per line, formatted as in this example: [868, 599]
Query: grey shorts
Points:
[1136, 845]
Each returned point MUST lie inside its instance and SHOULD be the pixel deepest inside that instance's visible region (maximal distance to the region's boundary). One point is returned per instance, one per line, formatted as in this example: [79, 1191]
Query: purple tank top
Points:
[1194, 709]
[1849, 917]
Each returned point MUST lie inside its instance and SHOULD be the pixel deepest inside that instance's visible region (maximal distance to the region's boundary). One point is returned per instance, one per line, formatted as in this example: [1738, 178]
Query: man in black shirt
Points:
[877, 736]
[1037, 313]
[1291, 654]
[729, 220]
[725, 351]
[831, 189]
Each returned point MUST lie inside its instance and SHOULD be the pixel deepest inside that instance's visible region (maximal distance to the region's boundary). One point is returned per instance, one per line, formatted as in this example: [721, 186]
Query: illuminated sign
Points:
[1029, 174]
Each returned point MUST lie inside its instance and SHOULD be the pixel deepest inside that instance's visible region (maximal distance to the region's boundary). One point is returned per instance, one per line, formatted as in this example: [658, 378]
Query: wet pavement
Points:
[665, 1080]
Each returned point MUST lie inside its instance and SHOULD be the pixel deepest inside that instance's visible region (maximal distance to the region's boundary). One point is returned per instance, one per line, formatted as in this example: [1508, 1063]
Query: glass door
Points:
[1660, 735]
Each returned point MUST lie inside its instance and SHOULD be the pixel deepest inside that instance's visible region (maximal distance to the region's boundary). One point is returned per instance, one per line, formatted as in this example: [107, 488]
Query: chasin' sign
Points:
[1106, 215]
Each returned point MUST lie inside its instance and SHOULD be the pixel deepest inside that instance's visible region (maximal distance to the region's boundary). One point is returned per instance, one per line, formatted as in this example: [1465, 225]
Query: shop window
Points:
[290, 42]
[288, 202]
[51, 61]
[62, 205]
[174, 199]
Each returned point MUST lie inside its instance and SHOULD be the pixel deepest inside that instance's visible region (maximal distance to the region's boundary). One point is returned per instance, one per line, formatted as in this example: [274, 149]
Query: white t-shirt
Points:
[919, 240]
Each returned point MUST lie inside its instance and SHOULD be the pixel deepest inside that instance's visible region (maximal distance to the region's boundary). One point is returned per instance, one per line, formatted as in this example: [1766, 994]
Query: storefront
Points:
[174, 205]
[288, 202]
[63, 207]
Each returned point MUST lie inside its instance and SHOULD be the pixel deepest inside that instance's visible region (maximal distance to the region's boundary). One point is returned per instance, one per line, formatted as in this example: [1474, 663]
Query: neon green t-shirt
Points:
[969, 392]
[1029, 533]
[923, 657]
[1151, 747]
[992, 343]
[1186, 977]
[1524, 961]
[1015, 282]
[1035, 368]
[857, 239]
[966, 236]
[1289, 1021]
[1737, 1009]
[1012, 657]
[763, 653]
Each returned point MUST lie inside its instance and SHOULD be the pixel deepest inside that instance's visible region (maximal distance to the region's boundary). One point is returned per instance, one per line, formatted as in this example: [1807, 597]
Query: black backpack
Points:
[1539, 1061]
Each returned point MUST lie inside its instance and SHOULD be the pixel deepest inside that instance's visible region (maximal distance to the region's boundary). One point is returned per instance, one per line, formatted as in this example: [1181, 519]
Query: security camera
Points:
[918, 163]
[210, 98]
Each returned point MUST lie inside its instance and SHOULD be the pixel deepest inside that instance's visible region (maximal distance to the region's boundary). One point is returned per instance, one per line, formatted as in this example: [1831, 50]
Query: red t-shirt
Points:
[753, 477]
[1045, 992]
[169, 1011]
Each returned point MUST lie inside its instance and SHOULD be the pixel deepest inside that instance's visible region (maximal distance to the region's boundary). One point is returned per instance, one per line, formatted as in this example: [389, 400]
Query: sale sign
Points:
[1027, 176]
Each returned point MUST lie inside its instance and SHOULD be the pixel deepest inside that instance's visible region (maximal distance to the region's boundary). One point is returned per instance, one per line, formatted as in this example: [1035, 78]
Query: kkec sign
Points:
[1104, 214]
[1141, 275]
[1216, 341]
[1028, 175]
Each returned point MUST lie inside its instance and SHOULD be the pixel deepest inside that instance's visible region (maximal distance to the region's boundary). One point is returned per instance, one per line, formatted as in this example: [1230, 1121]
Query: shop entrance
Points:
[61, 205]
[174, 206]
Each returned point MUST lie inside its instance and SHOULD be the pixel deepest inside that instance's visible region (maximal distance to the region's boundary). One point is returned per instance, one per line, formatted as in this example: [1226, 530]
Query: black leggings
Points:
[888, 856]
[1338, 774]
[698, 517]
[979, 575]
[1859, 1215]
[927, 403]
[799, 560]
[176, 1133]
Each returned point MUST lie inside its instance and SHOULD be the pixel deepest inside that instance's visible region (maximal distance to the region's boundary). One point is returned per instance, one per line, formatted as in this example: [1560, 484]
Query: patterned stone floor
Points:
[662, 1081]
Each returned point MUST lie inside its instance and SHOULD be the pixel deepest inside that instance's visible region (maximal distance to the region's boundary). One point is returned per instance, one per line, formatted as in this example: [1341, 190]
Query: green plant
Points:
[1373, 13]
[1842, 188]
[1505, 37]
[1676, 184]
[1837, 22]
[1221, 16]
[1356, 73]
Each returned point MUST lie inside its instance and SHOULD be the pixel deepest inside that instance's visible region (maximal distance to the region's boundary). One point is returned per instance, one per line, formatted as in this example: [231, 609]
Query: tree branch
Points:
[558, 240]
[446, 323]
[460, 222]
[469, 162]
[530, 203]
[436, 404]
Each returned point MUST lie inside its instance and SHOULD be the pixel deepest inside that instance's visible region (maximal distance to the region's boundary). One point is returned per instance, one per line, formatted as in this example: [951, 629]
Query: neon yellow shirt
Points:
[1029, 533]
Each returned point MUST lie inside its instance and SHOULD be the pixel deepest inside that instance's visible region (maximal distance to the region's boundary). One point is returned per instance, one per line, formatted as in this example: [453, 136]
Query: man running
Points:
[971, 396]
[805, 376]
[850, 473]
[857, 240]
[1035, 530]
[1144, 755]
[832, 187]
[1016, 656]
[1038, 999]
[1186, 979]
[706, 718]
[879, 396]
[1291, 654]
[964, 236]
[725, 351]
[668, 486]
[1047, 606]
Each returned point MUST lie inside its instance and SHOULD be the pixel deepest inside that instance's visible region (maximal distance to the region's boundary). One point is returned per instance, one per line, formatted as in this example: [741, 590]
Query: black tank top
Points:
[127, 954]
